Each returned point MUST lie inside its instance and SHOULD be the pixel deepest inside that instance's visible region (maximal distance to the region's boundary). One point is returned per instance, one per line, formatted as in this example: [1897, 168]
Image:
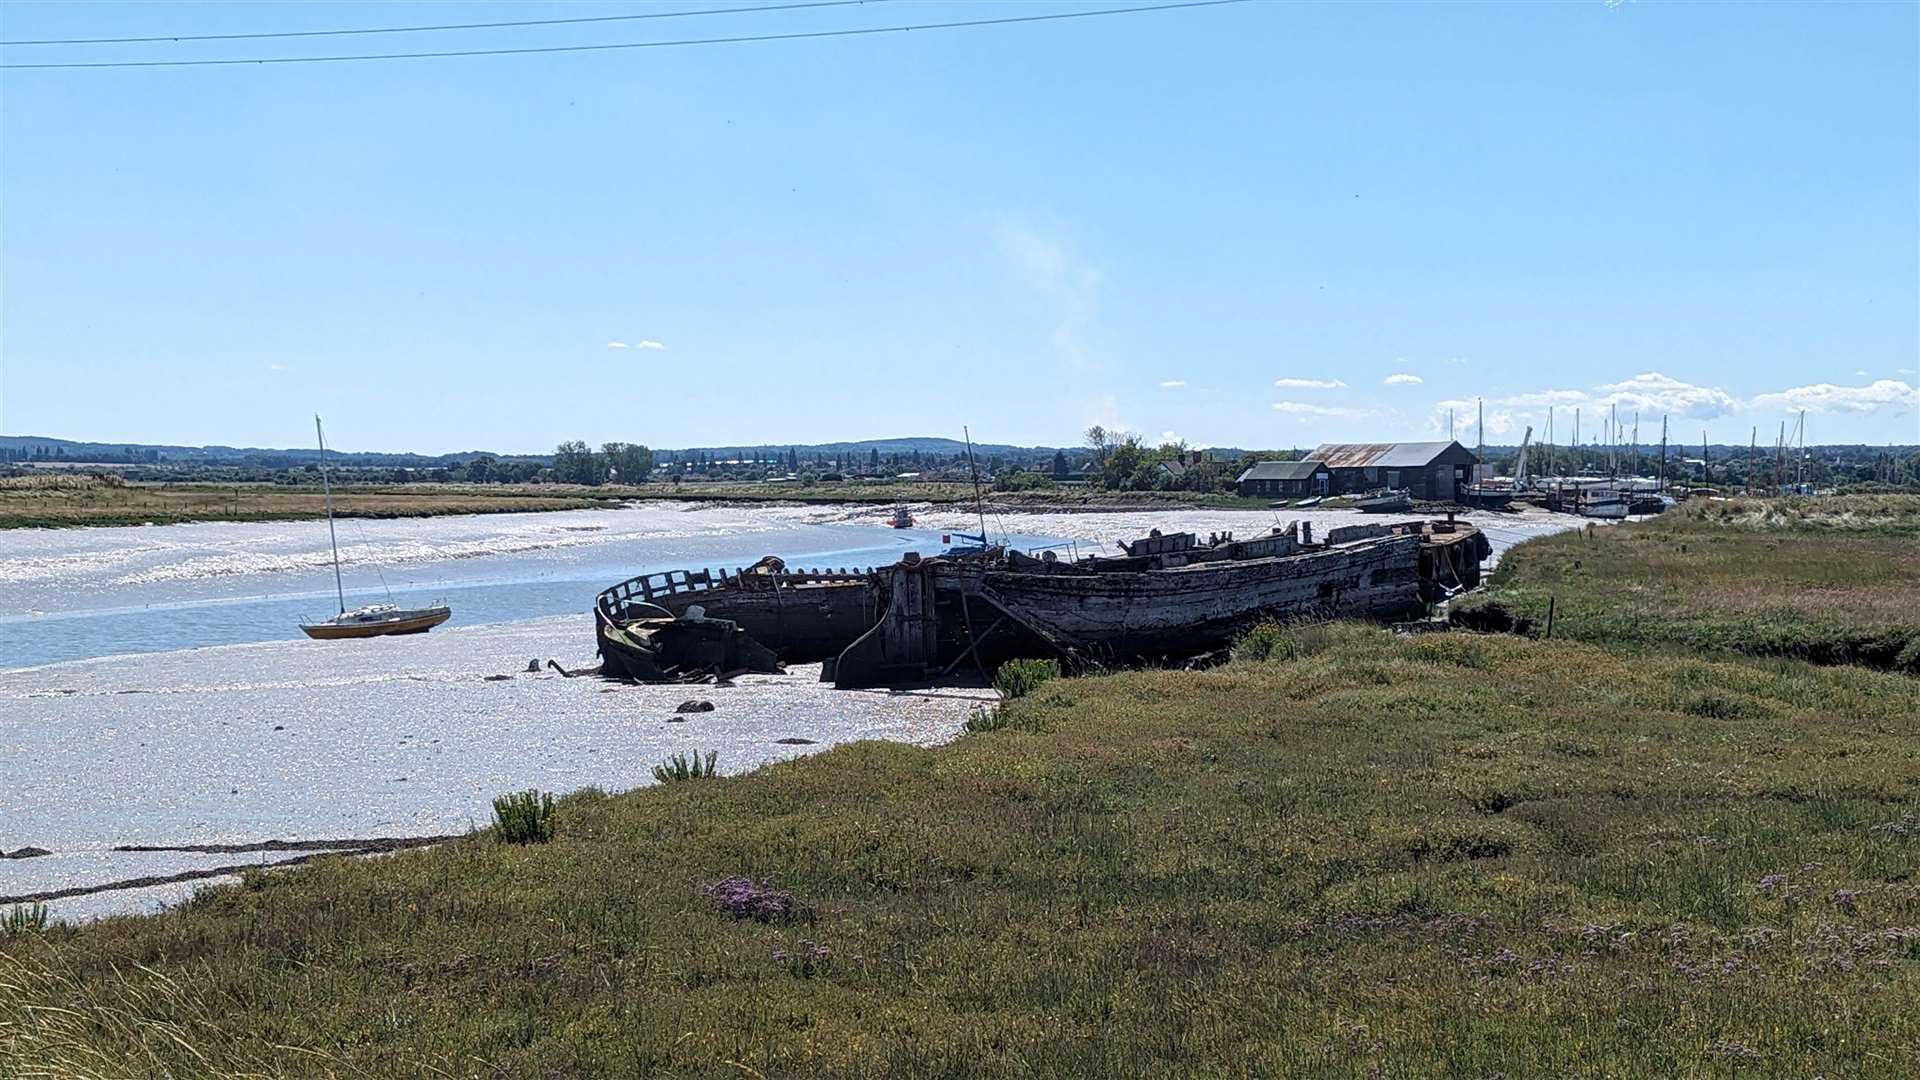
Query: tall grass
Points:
[523, 817]
[1017, 678]
[685, 767]
[24, 919]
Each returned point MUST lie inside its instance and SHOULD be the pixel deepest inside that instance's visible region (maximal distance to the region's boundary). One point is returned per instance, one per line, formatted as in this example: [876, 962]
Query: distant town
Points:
[1113, 461]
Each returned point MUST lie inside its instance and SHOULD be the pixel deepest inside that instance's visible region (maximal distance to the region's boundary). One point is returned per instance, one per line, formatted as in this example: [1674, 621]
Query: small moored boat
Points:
[901, 519]
[1384, 502]
[377, 620]
[373, 620]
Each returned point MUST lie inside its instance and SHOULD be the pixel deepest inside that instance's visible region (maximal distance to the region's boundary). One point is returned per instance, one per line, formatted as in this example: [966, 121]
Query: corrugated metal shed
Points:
[1282, 470]
[1402, 455]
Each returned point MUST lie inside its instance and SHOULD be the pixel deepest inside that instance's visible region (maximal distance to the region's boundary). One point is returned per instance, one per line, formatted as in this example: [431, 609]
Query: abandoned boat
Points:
[802, 615]
[1163, 595]
[661, 647]
[1167, 596]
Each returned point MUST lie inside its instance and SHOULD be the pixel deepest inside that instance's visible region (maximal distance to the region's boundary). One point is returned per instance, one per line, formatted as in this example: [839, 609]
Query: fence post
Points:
[1550, 601]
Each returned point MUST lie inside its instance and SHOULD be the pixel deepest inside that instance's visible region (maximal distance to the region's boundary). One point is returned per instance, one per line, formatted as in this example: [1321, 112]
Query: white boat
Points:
[378, 620]
[373, 620]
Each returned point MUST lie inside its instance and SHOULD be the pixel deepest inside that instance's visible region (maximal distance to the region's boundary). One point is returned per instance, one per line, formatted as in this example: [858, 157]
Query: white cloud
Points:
[618, 345]
[1402, 379]
[1826, 397]
[648, 345]
[1168, 438]
[1173, 384]
[1301, 408]
[1068, 285]
[1310, 384]
[1654, 392]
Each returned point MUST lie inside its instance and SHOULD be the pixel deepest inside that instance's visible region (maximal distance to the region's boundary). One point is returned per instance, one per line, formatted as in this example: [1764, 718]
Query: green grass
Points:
[1453, 855]
[684, 767]
[1017, 678]
[1833, 580]
[523, 817]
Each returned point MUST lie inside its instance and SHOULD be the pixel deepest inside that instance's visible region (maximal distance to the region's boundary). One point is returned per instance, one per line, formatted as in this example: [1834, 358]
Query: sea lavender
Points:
[739, 897]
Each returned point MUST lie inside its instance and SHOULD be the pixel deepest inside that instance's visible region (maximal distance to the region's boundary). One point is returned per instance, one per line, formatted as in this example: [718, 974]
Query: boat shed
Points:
[1427, 470]
[1277, 479]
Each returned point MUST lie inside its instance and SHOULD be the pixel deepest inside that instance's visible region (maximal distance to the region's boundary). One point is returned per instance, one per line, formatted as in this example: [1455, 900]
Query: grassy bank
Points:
[1830, 580]
[1456, 855]
[1063, 498]
[80, 501]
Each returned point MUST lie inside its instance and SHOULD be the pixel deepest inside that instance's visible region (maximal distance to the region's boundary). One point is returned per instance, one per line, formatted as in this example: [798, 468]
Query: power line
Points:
[450, 26]
[743, 39]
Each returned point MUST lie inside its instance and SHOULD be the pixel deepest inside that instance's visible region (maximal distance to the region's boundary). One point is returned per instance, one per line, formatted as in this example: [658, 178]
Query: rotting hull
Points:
[941, 614]
[1181, 608]
[802, 615]
[802, 623]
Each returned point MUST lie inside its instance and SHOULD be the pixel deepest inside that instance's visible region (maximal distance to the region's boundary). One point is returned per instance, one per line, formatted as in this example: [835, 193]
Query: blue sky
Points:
[1262, 225]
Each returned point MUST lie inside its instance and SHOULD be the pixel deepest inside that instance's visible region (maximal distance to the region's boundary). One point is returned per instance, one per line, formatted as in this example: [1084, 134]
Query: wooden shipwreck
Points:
[1167, 595]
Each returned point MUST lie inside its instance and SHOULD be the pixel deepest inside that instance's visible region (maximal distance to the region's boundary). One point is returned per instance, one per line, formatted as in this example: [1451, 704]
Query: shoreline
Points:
[210, 504]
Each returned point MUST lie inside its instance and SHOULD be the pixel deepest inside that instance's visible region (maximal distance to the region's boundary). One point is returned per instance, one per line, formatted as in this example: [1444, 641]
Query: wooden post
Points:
[1550, 601]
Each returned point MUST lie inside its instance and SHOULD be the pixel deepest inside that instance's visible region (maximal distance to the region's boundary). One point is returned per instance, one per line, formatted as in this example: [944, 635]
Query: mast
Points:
[1779, 456]
[1706, 463]
[1480, 429]
[977, 506]
[1663, 453]
[1576, 441]
[1800, 459]
[1753, 455]
[326, 486]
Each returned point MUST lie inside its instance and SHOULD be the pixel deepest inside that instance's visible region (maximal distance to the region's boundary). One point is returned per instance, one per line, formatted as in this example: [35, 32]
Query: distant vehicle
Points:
[374, 620]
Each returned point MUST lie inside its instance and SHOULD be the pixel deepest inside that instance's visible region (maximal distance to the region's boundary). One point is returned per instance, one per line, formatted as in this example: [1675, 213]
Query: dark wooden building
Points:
[1428, 470]
[1284, 479]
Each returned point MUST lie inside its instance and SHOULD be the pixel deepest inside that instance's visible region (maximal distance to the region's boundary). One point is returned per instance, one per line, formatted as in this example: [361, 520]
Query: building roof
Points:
[1386, 455]
[1282, 470]
[1176, 468]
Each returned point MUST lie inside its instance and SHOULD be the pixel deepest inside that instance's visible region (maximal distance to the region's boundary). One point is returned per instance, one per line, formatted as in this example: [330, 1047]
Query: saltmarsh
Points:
[1832, 580]
[1455, 855]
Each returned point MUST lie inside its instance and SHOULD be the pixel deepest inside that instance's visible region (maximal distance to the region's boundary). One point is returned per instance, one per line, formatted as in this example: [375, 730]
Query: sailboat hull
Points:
[408, 622]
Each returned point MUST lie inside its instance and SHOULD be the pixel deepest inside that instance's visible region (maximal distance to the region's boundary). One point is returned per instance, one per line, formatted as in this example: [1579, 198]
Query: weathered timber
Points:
[802, 615]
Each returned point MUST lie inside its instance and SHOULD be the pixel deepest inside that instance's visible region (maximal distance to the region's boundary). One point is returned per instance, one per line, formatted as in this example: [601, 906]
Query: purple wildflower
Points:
[740, 898]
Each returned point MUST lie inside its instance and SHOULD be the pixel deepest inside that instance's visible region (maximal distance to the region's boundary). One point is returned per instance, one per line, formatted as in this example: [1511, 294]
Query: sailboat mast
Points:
[978, 506]
[326, 486]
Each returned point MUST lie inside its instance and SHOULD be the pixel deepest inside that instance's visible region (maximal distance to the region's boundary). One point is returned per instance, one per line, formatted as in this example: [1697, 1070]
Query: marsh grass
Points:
[1832, 581]
[1016, 679]
[523, 817]
[1374, 859]
[687, 767]
[24, 919]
